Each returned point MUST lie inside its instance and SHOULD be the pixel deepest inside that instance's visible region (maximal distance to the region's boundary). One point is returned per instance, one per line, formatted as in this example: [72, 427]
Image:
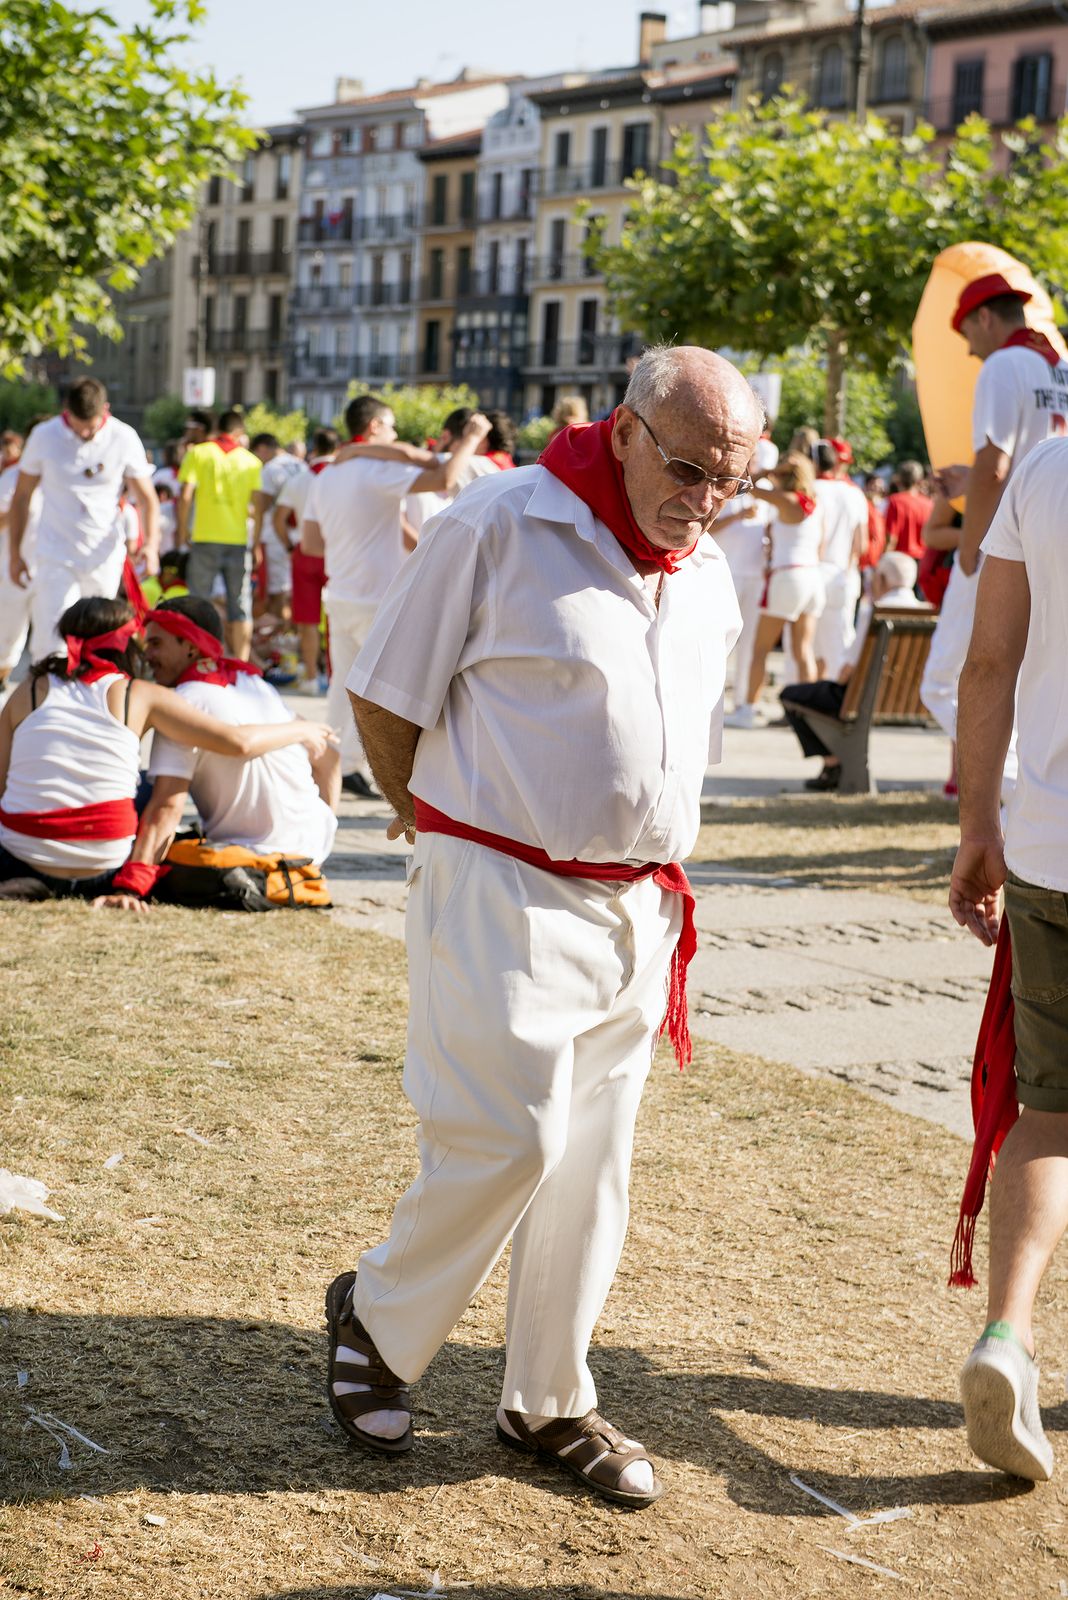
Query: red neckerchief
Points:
[806, 502]
[226, 442]
[666, 875]
[1031, 339]
[225, 669]
[582, 458]
[317, 466]
[994, 1107]
[500, 458]
[69, 420]
[83, 652]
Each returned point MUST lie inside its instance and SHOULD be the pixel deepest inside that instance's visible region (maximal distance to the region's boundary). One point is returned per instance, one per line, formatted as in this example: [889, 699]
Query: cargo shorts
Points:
[1038, 924]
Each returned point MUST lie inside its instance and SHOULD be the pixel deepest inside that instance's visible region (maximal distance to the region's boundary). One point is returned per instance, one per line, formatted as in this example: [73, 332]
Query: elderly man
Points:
[539, 696]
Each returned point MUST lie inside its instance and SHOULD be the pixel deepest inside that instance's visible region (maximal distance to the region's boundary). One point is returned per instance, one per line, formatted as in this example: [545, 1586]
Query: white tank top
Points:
[796, 544]
[70, 752]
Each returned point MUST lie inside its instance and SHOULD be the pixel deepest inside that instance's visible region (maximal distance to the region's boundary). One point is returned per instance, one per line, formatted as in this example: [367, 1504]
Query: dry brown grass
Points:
[899, 844]
[780, 1309]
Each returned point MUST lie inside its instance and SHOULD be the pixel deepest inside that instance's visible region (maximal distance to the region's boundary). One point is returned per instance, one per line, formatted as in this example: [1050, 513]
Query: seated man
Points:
[892, 588]
[281, 803]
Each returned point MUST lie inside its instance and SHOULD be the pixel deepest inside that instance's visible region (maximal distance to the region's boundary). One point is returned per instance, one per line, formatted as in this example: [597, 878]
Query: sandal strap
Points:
[359, 1404]
[378, 1379]
[599, 1451]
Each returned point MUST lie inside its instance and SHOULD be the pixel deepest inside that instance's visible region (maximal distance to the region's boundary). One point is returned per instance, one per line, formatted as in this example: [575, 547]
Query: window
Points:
[594, 229]
[210, 246]
[526, 191]
[587, 350]
[270, 385]
[275, 312]
[493, 268]
[522, 247]
[248, 178]
[370, 139]
[1031, 80]
[439, 199]
[467, 196]
[967, 88]
[557, 245]
[283, 175]
[831, 77]
[561, 160]
[398, 136]
[432, 347]
[635, 148]
[404, 285]
[278, 244]
[240, 315]
[344, 274]
[463, 270]
[214, 190]
[771, 74]
[599, 158]
[413, 135]
[550, 333]
[497, 195]
[378, 280]
[237, 386]
[209, 320]
[244, 245]
[322, 142]
[892, 78]
[435, 287]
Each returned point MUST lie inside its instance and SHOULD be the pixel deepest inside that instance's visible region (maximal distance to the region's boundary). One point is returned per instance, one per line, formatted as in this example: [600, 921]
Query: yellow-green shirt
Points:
[225, 482]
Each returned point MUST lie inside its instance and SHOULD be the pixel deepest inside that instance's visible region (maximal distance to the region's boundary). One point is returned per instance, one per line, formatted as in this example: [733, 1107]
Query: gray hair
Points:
[899, 570]
[656, 377]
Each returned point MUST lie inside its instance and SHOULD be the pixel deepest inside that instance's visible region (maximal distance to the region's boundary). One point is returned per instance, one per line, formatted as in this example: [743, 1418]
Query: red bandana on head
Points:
[226, 668]
[83, 652]
[1031, 339]
[583, 459]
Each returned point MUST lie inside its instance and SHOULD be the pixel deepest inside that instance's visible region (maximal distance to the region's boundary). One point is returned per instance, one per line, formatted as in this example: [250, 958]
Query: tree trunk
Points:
[834, 404]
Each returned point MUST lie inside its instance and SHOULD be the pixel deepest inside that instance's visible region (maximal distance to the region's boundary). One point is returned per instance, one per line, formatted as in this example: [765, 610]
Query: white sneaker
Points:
[742, 717]
[999, 1388]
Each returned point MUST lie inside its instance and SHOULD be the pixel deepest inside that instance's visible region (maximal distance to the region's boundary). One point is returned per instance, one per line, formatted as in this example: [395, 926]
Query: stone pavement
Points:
[878, 990]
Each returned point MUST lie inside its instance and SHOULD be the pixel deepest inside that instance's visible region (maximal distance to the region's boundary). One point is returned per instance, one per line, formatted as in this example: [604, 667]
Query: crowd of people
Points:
[529, 666]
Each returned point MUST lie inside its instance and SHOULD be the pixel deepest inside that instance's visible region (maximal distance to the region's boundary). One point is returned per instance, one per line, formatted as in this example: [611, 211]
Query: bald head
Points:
[684, 404]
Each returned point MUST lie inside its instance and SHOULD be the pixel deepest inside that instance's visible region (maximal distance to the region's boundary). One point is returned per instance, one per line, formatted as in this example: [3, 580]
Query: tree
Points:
[870, 401]
[288, 427]
[20, 402]
[105, 142]
[790, 229]
[165, 419]
[419, 409]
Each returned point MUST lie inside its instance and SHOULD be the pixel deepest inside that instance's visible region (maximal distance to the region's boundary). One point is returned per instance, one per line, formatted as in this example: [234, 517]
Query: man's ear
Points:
[623, 432]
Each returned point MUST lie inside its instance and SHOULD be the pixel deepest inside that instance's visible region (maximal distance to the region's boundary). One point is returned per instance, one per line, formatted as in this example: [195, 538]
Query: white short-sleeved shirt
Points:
[277, 472]
[559, 706]
[743, 542]
[81, 480]
[1029, 526]
[419, 508]
[293, 495]
[357, 506]
[844, 508]
[267, 804]
[1020, 400]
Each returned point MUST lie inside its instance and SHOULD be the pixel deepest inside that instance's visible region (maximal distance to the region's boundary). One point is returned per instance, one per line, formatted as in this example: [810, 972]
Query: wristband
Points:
[138, 877]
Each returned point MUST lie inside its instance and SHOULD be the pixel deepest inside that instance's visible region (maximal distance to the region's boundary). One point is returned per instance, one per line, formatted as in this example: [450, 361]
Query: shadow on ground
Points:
[214, 1406]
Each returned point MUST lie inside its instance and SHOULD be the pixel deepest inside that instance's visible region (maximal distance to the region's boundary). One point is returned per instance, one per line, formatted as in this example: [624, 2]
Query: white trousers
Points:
[836, 629]
[350, 623]
[949, 648]
[15, 604]
[55, 587]
[748, 587]
[535, 1004]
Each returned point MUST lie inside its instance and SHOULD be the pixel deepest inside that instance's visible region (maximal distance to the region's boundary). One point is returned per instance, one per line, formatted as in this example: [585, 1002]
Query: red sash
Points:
[1031, 339]
[669, 876]
[108, 819]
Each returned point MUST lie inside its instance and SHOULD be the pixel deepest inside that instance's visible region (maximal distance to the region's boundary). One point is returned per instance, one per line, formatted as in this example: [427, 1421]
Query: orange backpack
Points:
[205, 875]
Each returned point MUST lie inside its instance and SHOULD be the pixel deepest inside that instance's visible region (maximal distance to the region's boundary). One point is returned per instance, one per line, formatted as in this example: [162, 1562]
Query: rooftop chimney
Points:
[652, 30]
[348, 89]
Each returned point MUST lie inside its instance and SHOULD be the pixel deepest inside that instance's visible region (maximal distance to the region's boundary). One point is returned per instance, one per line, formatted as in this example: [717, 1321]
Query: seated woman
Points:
[795, 591]
[70, 739]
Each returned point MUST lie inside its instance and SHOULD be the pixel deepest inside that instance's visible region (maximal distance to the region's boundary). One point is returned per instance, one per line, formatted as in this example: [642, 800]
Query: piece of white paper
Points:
[22, 1379]
[24, 1194]
[191, 1133]
[113, 1161]
[859, 1561]
[824, 1500]
[154, 1521]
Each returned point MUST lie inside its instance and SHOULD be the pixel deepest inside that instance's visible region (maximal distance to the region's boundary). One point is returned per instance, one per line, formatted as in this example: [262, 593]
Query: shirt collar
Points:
[553, 501]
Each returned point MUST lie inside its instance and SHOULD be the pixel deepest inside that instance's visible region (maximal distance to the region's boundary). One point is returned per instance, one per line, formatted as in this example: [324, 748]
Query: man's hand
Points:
[477, 427]
[120, 902]
[150, 557]
[20, 572]
[953, 481]
[317, 738]
[398, 827]
[975, 887]
[257, 557]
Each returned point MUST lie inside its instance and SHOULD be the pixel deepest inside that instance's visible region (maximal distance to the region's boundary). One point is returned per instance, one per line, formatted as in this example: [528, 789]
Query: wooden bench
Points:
[883, 692]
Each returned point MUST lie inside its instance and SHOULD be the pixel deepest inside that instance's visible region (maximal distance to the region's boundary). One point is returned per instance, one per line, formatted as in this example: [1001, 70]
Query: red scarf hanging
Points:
[1031, 339]
[994, 1107]
[209, 649]
[666, 875]
[582, 458]
[83, 652]
[225, 442]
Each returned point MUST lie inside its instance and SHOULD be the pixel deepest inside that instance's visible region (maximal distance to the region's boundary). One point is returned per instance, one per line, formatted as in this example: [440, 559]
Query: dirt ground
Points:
[781, 1310]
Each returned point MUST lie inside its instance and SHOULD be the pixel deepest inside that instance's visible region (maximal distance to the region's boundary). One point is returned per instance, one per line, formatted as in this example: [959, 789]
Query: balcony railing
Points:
[503, 284]
[562, 269]
[449, 217]
[345, 229]
[1001, 107]
[580, 177]
[601, 352]
[380, 296]
[326, 230]
[245, 341]
[324, 297]
[513, 208]
[242, 264]
[309, 367]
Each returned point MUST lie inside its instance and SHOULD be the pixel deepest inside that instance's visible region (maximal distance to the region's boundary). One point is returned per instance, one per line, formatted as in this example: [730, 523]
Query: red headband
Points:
[82, 652]
[207, 647]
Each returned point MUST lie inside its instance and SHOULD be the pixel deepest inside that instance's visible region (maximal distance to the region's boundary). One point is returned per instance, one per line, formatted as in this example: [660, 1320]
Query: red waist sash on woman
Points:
[669, 876]
[108, 819]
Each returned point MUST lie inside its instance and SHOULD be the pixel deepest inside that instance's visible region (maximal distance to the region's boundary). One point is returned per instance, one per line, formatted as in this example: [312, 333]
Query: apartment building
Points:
[1004, 61]
[146, 362]
[448, 221]
[359, 257]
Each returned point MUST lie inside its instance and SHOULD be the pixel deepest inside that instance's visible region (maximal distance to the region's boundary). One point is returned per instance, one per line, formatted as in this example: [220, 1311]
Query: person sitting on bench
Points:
[892, 588]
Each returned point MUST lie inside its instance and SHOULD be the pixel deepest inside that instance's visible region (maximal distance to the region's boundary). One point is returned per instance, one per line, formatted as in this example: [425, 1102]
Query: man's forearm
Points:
[389, 742]
[156, 830]
[456, 463]
[985, 711]
[985, 488]
[16, 526]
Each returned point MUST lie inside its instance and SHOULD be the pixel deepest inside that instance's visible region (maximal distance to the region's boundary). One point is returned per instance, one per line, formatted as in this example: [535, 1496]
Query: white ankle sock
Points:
[635, 1479]
[383, 1424]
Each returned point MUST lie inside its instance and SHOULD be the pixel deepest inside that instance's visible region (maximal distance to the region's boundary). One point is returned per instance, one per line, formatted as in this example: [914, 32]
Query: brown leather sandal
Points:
[589, 1448]
[385, 1391]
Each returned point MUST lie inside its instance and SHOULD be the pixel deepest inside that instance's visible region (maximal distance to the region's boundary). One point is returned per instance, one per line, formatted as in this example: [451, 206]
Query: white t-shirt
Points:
[796, 544]
[419, 508]
[743, 542]
[1020, 400]
[81, 480]
[293, 495]
[844, 509]
[357, 506]
[277, 472]
[1029, 526]
[268, 804]
[560, 707]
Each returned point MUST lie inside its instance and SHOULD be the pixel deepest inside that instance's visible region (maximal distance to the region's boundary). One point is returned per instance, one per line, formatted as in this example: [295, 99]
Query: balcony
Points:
[583, 177]
[451, 219]
[337, 229]
[307, 368]
[245, 341]
[380, 230]
[324, 297]
[562, 269]
[504, 284]
[593, 352]
[243, 264]
[1002, 107]
[511, 209]
[381, 296]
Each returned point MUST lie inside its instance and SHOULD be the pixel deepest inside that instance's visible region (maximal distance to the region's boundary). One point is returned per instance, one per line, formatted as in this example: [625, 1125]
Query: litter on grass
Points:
[154, 1521]
[22, 1379]
[850, 1517]
[113, 1161]
[191, 1133]
[52, 1425]
[24, 1194]
[859, 1561]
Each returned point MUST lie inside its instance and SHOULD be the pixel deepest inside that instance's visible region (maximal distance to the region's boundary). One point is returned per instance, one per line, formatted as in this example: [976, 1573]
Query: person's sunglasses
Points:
[687, 474]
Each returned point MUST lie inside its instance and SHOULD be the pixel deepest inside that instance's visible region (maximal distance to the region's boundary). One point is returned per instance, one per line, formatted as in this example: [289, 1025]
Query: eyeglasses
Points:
[687, 474]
